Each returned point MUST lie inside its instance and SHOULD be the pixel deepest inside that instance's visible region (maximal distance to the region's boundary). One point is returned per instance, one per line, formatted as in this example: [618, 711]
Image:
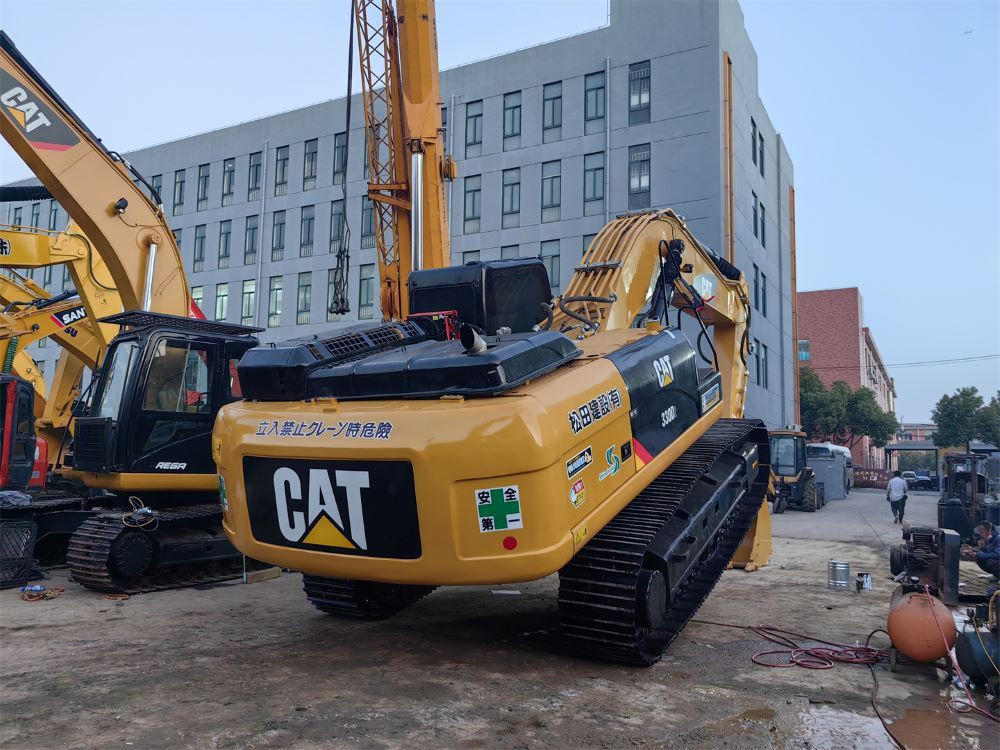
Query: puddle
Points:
[822, 727]
[921, 728]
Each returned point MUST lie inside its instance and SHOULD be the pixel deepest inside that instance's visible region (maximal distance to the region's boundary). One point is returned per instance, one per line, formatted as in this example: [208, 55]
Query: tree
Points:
[841, 415]
[958, 418]
[989, 428]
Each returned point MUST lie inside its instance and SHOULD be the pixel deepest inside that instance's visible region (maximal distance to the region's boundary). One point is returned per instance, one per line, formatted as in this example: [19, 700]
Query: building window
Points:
[253, 177]
[763, 294]
[15, 217]
[336, 225]
[760, 157]
[156, 182]
[274, 294]
[593, 184]
[303, 299]
[551, 190]
[221, 301]
[511, 199]
[756, 232]
[510, 252]
[756, 361]
[196, 296]
[36, 215]
[367, 222]
[177, 237]
[202, 197]
[638, 93]
[199, 249]
[225, 240]
[228, 181]
[512, 121]
[278, 236]
[47, 278]
[638, 176]
[41, 365]
[473, 203]
[306, 228]
[54, 209]
[756, 288]
[552, 112]
[250, 241]
[281, 170]
[763, 361]
[444, 125]
[339, 158]
[247, 303]
[67, 279]
[593, 103]
[753, 140]
[474, 129]
[588, 240]
[179, 177]
[367, 159]
[763, 226]
[310, 163]
[550, 258]
[805, 353]
[366, 291]
[470, 256]
[42, 343]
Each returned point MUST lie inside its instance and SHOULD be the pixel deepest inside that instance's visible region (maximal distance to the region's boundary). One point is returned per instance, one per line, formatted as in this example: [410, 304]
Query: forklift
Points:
[965, 496]
[794, 481]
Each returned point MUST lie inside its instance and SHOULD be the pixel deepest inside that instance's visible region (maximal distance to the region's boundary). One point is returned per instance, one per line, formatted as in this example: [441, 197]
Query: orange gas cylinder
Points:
[912, 626]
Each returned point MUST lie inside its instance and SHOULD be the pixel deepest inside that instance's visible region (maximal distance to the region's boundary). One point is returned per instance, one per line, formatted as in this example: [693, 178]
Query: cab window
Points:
[179, 379]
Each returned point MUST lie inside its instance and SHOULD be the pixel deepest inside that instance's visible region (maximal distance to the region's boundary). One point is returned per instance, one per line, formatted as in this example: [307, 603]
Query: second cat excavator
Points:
[142, 444]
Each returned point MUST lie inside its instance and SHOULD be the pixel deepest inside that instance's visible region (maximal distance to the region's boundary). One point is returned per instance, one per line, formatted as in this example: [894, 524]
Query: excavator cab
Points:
[154, 402]
[17, 433]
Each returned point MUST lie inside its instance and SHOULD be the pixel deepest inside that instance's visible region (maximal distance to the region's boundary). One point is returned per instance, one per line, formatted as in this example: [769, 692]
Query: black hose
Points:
[547, 311]
[588, 324]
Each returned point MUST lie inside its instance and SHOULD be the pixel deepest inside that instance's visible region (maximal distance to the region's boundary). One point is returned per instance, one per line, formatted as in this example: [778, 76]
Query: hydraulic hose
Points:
[8, 361]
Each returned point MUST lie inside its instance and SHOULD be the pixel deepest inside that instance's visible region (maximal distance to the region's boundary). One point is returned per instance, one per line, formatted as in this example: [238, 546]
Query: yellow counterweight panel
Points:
[457, 447]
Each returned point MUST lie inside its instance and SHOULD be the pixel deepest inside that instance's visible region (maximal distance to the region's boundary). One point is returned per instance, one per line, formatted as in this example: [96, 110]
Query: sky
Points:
[889, 111]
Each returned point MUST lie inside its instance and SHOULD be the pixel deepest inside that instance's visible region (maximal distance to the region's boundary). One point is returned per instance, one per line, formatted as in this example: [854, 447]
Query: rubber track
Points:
[365, 600]
[90, 551]
[597, 588]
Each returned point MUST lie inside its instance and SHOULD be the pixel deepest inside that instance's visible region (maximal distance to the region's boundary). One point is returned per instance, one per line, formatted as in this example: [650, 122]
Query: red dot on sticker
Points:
[509, 542]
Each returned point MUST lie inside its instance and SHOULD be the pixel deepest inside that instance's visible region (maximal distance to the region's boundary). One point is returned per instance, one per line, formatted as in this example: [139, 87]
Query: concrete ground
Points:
[238, 666]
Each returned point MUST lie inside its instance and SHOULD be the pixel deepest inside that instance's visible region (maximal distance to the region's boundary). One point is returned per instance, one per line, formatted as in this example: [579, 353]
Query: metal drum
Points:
[838, 574]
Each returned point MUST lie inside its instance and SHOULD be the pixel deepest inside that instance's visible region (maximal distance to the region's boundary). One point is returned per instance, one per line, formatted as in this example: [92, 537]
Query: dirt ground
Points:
[255, 666]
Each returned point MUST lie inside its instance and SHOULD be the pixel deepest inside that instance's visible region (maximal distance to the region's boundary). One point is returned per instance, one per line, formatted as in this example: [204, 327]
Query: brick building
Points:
[835, 342]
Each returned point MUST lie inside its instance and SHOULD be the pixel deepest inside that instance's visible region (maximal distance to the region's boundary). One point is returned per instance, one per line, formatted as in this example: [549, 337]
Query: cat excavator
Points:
[486, 433]
[142, 442]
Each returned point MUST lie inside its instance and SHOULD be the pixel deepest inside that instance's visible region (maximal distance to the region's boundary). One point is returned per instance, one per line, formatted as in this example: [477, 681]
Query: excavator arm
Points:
[94, 185]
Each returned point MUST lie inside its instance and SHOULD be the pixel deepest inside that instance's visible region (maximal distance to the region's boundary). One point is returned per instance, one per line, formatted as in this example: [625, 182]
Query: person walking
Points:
[895, 493]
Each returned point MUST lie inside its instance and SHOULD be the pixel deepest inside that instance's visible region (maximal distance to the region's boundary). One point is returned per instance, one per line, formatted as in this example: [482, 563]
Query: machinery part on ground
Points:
[186, 548]
[978, 654]
[912, 628]
[965, 500]
[365, 600]
[928, 557]
[632, 589]
[17, 553]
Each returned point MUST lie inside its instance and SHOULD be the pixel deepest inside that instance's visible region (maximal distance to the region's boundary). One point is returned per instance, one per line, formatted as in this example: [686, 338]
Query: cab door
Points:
[17, 440]
[175, 408]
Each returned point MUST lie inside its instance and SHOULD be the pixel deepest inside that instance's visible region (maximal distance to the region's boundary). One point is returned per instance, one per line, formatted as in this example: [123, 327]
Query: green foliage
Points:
[841, 415]
[916, 461]
[960, 418]
[989, 428]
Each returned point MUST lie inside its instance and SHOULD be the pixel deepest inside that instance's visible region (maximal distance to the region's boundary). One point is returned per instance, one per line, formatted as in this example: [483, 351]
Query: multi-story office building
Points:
[658, 109]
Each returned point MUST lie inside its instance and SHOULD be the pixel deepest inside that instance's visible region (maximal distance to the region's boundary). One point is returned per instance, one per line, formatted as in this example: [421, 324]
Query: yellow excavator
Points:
[491, 434]
[144, 435]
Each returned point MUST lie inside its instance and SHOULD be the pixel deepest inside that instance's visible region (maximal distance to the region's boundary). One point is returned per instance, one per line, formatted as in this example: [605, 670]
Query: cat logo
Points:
[43, 127]
[664, 370]
[321, 523]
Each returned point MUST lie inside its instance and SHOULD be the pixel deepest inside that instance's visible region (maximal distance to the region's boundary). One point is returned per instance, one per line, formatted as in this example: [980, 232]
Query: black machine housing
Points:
[17, 432]
[504, 301]
[928, 557]
[156, 395]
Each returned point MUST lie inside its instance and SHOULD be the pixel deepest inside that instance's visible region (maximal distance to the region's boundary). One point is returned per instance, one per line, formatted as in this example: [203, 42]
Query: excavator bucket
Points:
[755, 549]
